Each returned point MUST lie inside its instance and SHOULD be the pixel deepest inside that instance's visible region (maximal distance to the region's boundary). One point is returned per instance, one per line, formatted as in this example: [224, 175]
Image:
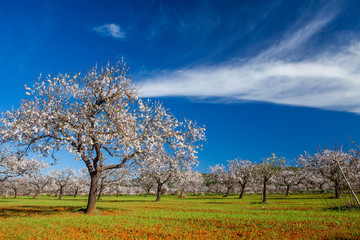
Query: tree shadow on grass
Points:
[29, 211]
[149, 201]
[219, 202]
[72, 199]
[293, 198]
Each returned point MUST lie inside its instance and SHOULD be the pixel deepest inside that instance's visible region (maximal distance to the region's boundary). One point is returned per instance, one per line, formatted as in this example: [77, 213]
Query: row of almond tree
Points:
[121, 139]
[317, 172]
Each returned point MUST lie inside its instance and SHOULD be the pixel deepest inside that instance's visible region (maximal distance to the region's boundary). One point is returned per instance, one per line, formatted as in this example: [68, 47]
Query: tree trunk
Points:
[227, 191]
[337, 190]
[60, 192]
[15, 193]
[158, 194]
[147, 192]
[242, 191]
[264, 195]
[182, 194]
[92, 193]
[75, 193]
[287, 190]
[36, 194]
[100, 192]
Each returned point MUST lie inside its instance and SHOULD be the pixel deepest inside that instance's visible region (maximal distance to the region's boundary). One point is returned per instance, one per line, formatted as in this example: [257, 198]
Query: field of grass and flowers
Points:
[194, 217]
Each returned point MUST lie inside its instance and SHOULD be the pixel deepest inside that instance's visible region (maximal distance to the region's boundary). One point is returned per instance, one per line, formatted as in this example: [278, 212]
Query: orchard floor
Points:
[195, 217]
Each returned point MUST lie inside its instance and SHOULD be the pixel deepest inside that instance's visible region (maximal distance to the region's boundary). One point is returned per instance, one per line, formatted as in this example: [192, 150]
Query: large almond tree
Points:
[97, 116]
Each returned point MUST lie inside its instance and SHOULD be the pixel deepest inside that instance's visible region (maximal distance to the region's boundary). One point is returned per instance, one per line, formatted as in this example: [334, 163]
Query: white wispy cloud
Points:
[329, 80]
[110, 30]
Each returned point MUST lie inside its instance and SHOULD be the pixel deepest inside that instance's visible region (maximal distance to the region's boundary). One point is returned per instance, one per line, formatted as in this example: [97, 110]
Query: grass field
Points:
[198, 217]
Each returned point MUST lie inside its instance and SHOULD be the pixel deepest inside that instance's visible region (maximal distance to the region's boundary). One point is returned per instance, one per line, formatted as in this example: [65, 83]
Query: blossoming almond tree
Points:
[270, 167]
[80, 182]
[146, 183]
[169, 163]
[15, 165]
[62, 178]
[96, 116]
[173, 154]
[326, 164]
[291, 176]
[190, 181]
[38, 182]
[243, 172]
[112, 177]
[225, 176]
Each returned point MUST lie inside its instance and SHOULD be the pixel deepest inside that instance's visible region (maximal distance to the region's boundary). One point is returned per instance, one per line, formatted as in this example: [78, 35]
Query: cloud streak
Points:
[110, 30]
[329, 80]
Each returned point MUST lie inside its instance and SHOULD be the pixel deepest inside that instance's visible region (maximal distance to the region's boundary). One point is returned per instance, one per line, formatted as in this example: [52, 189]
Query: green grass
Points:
[195, 217]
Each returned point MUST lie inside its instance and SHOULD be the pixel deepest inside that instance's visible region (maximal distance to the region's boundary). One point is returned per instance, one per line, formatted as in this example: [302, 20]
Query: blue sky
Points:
[263, 76]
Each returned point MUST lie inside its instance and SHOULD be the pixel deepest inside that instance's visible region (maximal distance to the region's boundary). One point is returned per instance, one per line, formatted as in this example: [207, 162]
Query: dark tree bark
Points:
[92, 193]
[60, 192]
[158, 194]
[15, 193]
[287, 190]
[148, 191]
[337, 190]
[100, 192]
[227, 191]
[242, 190]
[264, 195]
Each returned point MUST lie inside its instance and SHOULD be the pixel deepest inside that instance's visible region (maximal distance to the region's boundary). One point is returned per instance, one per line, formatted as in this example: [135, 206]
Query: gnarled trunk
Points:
[92, 194]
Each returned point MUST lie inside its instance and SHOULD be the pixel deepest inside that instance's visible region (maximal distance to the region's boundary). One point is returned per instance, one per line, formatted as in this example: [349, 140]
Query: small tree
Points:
[190, 181]
[267, 169]
[243, 171]
[290, 177]
[146, 182]
[16, 184]
[80, 182]
[62, 178]
[325, 163]
[225, 176]
[162, 168]
[113, 177]
[16, 164]
[38, 182]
